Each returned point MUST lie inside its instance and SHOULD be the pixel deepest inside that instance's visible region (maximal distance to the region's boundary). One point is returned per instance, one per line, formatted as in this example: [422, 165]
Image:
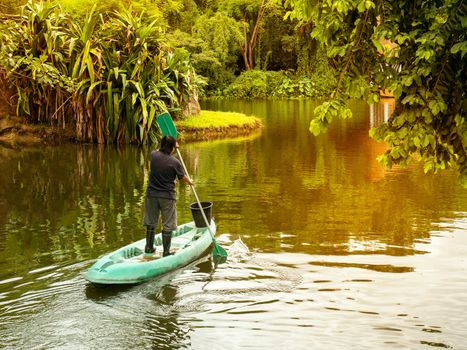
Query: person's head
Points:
[168, 144]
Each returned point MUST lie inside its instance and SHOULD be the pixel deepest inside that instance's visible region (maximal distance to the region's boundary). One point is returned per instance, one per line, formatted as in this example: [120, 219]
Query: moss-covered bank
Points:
[213, 124]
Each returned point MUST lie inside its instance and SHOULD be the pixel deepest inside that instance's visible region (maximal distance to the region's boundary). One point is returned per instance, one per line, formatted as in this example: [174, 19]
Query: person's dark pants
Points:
[153, 207]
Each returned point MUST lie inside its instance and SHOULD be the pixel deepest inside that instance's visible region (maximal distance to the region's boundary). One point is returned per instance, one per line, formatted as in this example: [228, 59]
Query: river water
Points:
[327, 250]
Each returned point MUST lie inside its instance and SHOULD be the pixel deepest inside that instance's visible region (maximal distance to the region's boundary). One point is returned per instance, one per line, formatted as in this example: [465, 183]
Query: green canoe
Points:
[127, 265]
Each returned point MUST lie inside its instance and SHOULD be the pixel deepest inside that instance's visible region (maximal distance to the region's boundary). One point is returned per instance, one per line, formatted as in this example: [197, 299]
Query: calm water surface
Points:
[326, 249]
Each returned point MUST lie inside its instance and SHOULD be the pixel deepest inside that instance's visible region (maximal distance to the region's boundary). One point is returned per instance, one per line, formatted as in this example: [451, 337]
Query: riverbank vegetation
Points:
[108, 73]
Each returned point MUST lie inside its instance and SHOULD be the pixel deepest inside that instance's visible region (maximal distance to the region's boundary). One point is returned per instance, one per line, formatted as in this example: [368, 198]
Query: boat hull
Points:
[127, 265]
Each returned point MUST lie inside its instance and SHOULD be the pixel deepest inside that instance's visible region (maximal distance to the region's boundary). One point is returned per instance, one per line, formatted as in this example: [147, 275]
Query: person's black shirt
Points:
[164, 169]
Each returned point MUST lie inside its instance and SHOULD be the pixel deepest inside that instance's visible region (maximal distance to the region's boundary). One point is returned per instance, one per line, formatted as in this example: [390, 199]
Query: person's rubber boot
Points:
[166, 241]
[149, 248]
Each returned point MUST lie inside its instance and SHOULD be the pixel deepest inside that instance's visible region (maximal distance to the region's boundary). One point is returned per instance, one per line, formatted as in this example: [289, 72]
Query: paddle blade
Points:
[219, 252]
[166, 125]
[218, 259]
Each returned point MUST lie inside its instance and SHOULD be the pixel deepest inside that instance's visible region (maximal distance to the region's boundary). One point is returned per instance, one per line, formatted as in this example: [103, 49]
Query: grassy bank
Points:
[214, 124]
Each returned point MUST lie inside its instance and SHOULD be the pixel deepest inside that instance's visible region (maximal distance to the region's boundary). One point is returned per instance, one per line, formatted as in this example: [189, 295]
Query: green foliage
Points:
[152, 8]
[219, 38]
[221, 35]
[250, 84]
[108, 77]
[83, 7]
[264, 84]
[326, 112]
[241, 9]
[415, 49]
[30, 57]
[183, 16]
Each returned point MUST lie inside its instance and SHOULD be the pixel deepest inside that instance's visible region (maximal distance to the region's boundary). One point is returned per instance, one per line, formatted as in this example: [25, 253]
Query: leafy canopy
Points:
[416, 49]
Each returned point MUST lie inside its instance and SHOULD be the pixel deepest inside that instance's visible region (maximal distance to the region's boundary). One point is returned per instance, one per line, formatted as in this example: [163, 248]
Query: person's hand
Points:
[187, 180]
[176, 144]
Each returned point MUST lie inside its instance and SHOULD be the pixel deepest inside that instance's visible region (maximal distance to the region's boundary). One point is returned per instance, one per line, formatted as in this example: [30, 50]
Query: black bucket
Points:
[198, 216]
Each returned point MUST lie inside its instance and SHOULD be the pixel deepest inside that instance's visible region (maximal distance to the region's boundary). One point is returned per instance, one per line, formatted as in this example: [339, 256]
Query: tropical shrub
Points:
[31, 59]
[108, 74]
[250, 84]
[264, 84]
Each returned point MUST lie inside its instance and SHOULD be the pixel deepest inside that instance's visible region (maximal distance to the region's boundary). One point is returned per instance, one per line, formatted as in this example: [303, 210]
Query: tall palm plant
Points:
[131, 58]
[85, 68]
[36, 64]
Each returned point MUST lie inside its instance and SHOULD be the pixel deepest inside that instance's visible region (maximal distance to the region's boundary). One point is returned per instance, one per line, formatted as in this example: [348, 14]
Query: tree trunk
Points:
[245, 50]
[249, 44]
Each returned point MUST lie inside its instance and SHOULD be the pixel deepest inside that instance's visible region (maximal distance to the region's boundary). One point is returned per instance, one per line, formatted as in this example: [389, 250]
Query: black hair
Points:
[167, 144]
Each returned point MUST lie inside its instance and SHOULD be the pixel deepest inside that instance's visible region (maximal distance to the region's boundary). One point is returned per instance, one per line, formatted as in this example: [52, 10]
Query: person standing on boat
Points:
[160, 194]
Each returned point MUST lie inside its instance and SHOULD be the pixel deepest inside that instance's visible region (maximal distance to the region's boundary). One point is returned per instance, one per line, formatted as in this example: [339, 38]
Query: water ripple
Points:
[258, 297]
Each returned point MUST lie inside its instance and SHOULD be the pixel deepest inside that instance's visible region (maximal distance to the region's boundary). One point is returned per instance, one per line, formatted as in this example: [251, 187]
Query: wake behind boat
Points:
[128, 265]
